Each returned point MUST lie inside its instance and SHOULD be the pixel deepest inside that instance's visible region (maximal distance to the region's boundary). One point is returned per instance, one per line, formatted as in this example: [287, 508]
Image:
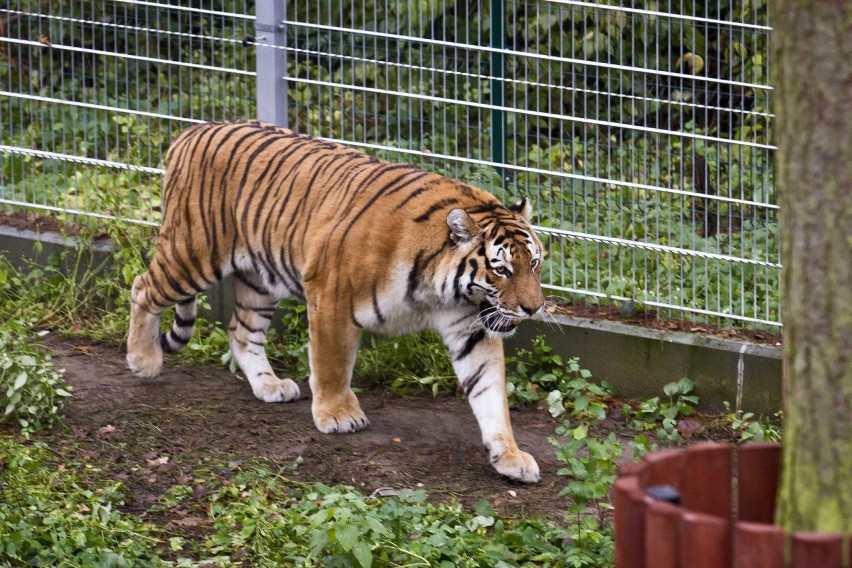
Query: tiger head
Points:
[502, 269]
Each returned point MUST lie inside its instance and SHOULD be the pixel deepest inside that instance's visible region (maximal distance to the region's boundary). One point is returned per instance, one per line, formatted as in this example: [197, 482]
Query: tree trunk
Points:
[813, 102]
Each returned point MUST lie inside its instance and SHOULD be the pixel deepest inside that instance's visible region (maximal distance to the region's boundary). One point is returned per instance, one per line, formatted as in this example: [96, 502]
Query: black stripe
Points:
[472, 341]
[257, 288]
[414, 275]
[171, 281]
[181, 322]
[379, 315]
[435, 208]
[485, 208]
[245, 325]
[378, 194]
[169, 342]
[422, 189]
[457, 278]
[469, 383]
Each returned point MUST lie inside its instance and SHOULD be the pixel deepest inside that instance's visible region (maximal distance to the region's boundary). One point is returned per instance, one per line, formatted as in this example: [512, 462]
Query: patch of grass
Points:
[265, 519]
[409, 363]
[49, 517]
[62, 514]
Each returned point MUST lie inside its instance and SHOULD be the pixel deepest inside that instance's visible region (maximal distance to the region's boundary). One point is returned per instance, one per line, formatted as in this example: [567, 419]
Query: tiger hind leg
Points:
[145, 342]
[253, 309]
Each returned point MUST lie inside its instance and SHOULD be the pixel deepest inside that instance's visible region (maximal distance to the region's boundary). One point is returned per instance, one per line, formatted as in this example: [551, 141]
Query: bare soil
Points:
[151, 434]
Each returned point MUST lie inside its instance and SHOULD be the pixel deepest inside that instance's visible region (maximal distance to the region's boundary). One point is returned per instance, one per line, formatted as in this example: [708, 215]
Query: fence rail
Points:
[642, 133]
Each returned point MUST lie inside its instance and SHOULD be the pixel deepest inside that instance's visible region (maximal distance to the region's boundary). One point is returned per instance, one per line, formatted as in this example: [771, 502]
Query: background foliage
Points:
[550, 135]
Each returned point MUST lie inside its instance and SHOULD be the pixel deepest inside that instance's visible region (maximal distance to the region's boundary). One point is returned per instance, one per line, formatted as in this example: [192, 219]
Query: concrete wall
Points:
[640, 361]
[637, 360]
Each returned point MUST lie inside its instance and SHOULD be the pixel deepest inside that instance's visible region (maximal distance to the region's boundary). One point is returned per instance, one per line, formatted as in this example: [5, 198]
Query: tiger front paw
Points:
[339, 419]
[517, 465]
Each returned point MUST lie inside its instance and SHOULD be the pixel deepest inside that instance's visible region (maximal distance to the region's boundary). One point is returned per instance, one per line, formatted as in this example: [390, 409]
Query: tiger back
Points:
[366, 244]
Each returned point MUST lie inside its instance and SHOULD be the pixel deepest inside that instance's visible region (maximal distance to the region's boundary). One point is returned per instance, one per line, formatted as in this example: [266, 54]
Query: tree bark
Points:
[812, 53]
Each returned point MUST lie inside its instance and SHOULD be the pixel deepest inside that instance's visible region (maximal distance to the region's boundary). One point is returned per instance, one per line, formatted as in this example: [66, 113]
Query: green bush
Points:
[32, 391]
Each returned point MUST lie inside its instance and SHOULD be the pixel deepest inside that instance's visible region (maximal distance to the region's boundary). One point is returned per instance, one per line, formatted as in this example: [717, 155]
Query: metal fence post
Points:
[498, 89]
[271, 61]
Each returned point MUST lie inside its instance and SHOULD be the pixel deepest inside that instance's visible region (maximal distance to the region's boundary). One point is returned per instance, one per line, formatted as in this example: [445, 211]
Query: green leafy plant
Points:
[412, 362]
[592, 466]
[49, 518]
[746, 428]
[661, 415]
[32, 391]
[590, 462]
[261, 517]
[542, 374]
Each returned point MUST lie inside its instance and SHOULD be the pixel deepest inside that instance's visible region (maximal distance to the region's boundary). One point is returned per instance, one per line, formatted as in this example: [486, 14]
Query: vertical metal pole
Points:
[271, 59]
[498, 89]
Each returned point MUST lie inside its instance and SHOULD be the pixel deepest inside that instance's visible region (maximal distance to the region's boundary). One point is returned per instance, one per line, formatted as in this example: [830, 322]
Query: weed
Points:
[417, 361]
[746, 429]
[542, 374]
[32, 391]
[661, 415]
[49, 518]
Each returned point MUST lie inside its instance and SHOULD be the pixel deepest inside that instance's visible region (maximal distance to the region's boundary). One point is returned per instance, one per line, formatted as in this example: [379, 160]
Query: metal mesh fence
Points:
[92, 92]
[641, 132]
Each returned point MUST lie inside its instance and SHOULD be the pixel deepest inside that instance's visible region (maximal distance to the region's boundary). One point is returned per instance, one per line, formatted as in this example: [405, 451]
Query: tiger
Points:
[366, 244]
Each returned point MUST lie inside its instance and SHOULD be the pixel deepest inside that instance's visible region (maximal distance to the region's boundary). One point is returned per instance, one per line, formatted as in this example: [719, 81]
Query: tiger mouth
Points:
[495, 322]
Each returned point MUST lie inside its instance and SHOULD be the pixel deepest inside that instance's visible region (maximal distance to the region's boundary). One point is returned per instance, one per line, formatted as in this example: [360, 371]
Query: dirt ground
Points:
[151, 434]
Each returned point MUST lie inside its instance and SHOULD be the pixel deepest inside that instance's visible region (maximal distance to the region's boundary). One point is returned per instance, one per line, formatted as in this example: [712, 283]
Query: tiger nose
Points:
[530, 311]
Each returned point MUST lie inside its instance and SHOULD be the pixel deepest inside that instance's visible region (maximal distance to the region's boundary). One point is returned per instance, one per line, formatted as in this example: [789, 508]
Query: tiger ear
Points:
[524, 207]
[462, 226]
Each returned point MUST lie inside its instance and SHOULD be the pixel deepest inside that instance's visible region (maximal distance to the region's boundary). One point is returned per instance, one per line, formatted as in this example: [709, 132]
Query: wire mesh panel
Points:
[641, 133]
[406, 80]
[640, 130]
[91, 93]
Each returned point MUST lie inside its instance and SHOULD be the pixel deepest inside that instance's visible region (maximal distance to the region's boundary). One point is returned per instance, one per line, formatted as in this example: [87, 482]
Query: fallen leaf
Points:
[157, 462]
[82, 508]
[397, 440]
[189, 522]
[384, 492]
[687, 427]
[105, 431]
